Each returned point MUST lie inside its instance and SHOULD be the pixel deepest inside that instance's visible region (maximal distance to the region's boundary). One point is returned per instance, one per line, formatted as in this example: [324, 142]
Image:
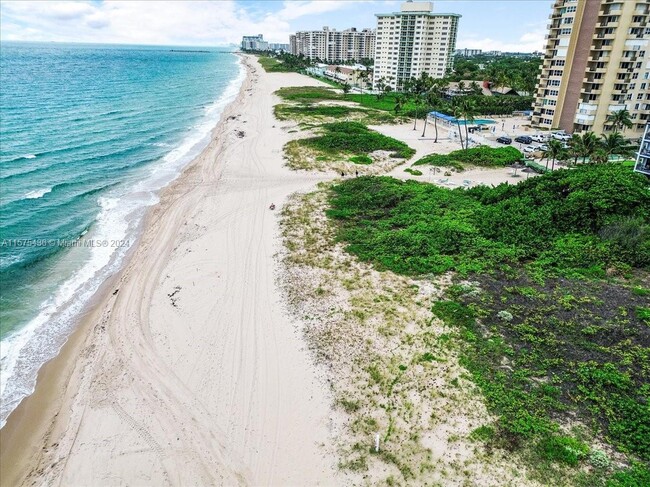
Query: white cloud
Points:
[153, 22]
[534, 40]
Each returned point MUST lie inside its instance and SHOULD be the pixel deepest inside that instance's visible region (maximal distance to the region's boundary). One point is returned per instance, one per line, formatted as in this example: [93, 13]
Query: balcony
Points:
[602, 47]
[591, 91]
[584, 119]
[594, 70]
[587, 108]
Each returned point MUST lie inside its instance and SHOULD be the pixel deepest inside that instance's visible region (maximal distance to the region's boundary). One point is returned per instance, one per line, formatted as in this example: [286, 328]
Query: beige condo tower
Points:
[596, 62]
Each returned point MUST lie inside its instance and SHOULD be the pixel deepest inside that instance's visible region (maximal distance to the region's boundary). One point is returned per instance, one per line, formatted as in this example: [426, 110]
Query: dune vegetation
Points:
[483, 156]
[548, 308]
[341, 145]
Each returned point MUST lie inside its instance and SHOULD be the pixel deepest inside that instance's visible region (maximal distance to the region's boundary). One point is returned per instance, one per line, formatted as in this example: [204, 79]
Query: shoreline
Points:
[28, 421]
[121, 400]
[78, 291]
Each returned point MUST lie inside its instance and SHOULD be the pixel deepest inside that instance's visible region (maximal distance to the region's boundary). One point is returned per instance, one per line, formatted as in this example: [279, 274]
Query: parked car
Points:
[561, 136]
[530, 149]
[543, 147]
[524, 139]
[539, 137]
[504, 140]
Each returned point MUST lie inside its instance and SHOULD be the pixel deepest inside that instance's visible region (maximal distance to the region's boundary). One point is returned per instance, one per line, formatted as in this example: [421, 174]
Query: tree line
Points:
[588, 147]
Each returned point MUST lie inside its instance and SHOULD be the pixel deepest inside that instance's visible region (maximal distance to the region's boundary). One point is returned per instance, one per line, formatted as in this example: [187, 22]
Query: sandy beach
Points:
[187, 370]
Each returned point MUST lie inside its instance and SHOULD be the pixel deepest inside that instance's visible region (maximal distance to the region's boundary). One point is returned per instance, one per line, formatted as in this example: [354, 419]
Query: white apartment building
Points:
[333, 45]
[254, 43]
[412, 41]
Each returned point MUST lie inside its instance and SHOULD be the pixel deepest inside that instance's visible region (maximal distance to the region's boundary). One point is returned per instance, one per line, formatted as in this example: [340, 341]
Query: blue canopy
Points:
[442, 116]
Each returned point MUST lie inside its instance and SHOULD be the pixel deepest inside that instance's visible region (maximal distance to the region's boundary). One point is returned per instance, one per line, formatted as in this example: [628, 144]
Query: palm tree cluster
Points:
[588, 147]
[427, 94]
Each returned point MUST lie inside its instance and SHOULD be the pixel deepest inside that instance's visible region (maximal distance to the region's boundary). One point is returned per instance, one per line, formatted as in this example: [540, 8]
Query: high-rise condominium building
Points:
[413, 41]
[254, 43]
[333, 45]
[597, 61]
[643, 157]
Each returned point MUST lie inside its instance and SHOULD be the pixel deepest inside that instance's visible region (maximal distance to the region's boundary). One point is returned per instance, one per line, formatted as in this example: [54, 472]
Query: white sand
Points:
[192, 374]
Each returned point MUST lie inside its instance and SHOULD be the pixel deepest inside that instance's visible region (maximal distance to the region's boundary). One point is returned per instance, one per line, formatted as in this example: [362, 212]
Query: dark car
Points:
[504, 140]
[524, 139]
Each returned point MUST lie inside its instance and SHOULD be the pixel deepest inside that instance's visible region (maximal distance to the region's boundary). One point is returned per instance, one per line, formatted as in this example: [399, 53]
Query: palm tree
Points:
[399, 103]
[364, 79]
[599, 156]
[417, 88]
[438, 88]
[615, 143]
[589, 142]
[620, 119]
[467, 110]
[576, 148]
[553, 152]
[457, 113]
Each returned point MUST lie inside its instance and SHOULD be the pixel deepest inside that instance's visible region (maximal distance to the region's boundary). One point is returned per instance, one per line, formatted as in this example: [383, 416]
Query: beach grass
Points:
[392, 370]
[272, 65]
[334, 144]
[482, 156]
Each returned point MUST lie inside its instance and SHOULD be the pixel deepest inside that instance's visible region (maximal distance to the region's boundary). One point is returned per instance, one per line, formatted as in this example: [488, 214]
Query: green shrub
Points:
[551, 222]
[412, 171]
[482, 433]
[562, 449]
[637, 475]
[478, 156]
[307, 94]
[643, 313]
[361, 159]
[630, 237]
[355, 138]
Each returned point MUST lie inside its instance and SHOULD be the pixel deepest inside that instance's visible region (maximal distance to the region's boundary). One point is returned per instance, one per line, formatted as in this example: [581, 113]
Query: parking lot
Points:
[513, 127]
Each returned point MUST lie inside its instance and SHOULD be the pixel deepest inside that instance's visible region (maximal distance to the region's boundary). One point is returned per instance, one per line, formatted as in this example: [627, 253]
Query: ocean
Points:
[89, 134]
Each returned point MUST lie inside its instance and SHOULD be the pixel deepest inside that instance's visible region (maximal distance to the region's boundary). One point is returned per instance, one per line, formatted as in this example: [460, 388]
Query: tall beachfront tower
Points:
[597, 61]
[413, 41]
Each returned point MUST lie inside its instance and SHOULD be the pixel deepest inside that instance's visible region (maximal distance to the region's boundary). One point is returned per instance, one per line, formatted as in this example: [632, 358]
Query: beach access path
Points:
[187, 370]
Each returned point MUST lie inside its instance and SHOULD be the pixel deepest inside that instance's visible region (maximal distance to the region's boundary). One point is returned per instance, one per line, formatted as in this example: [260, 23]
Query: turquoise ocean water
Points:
[88, 135]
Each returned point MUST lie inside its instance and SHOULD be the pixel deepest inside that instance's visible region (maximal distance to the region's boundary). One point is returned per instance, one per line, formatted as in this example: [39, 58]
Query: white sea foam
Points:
[38, 193]
[23, 352]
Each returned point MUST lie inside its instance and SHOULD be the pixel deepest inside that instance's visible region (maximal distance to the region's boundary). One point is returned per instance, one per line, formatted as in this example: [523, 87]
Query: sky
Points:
[505, 25]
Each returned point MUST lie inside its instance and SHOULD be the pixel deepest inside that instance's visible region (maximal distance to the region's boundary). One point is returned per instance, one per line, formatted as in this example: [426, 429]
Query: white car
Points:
[530, 149]
[539, 137]
[561, 136]
[543, 147]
